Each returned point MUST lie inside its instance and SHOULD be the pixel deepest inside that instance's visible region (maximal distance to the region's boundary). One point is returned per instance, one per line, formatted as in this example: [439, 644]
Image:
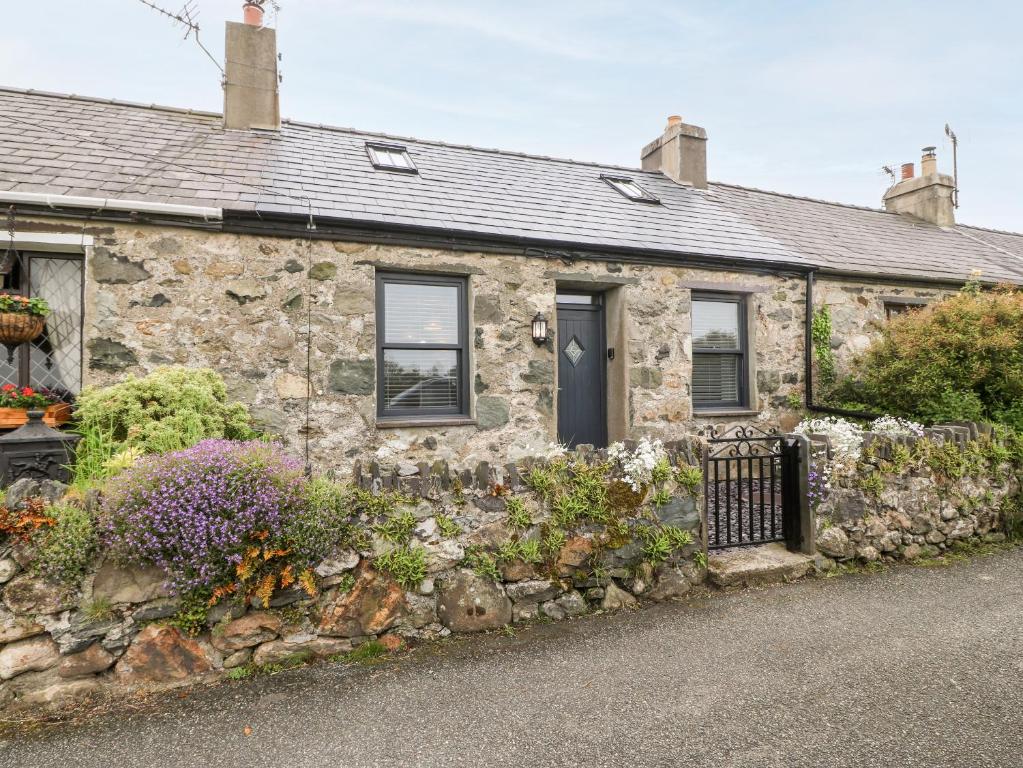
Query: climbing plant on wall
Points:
[820, 331]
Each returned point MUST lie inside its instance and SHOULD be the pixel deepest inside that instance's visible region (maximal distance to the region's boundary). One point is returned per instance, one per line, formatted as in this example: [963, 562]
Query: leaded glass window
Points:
[54, 360]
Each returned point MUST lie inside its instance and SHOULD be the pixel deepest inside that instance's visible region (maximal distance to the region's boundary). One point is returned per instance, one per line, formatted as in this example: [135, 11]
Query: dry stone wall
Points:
[120, 629]
[914, 497]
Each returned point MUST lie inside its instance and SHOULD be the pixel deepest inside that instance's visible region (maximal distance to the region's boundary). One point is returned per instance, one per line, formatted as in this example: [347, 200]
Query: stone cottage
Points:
[369, 294]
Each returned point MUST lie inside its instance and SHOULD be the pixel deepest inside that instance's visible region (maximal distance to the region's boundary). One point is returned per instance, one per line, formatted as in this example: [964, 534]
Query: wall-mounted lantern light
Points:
[539, 329]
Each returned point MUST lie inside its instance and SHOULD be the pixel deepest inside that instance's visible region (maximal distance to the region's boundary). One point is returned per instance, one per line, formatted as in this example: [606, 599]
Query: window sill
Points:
[438, 421]
[714, 412]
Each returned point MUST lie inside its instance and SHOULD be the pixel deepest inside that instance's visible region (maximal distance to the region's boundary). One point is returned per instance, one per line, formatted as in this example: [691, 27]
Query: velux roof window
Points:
[629, 189]
[390, 157]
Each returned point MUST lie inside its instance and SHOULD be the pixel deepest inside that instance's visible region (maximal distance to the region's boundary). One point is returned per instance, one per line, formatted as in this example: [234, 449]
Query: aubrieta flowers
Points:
[192, 512]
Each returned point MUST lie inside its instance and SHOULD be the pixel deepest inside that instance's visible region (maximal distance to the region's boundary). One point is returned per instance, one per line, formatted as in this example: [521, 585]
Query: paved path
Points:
[910, 667]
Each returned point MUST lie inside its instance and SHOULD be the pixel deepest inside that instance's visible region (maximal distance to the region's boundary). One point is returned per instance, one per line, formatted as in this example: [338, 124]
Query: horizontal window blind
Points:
[719, 352]
[715, 325]
[420, 314]
[426, 379]
[715, 378]
[422, 345]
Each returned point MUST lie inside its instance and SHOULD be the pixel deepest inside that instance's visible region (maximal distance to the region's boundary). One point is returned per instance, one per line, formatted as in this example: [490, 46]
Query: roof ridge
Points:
[990, 229]
[101, 100]
[325, 127]
[802, 197]
[993, 246]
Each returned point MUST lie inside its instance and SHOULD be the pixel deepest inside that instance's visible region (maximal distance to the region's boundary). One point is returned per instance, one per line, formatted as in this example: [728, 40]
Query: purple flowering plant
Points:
[196, 512]
[819, 486]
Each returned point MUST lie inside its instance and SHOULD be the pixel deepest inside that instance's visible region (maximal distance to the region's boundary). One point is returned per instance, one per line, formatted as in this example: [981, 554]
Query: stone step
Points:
[756, 566]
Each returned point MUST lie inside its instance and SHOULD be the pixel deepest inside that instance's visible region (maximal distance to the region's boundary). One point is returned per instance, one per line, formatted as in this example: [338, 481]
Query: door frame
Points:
[596, 307]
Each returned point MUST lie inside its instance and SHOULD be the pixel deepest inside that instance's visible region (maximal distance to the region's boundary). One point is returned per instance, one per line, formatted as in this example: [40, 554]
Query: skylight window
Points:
[391, 157]
[630, 189]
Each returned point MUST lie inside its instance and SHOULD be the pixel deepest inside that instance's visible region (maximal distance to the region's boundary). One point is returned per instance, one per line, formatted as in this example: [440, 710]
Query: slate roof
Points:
[73, 145]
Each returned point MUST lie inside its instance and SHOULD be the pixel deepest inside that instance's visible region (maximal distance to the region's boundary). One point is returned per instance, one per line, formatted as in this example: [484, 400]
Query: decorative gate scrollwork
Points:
[748, 475]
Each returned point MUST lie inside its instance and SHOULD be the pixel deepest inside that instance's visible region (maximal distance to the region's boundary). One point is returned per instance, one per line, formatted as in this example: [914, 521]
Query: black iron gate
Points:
[751, 488]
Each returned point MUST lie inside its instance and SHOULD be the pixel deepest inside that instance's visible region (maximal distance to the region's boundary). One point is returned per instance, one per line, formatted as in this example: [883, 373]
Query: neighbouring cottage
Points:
[414, 300]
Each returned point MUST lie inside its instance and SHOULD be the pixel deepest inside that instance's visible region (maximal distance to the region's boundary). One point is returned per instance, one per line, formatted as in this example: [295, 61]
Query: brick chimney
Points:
[927, 197]
[680, 153]
[251, 96]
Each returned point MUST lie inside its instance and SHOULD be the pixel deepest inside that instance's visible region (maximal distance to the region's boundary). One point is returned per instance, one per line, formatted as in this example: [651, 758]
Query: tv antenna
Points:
[890, 171]
[955, 165]
[187, 17]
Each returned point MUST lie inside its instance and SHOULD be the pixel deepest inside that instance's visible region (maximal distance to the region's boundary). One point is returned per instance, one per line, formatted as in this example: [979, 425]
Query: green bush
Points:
[960, 358]
[168, 410]
[66, 548]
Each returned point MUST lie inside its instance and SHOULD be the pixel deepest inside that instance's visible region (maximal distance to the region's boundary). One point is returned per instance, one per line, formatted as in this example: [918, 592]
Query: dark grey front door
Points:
[582, 360]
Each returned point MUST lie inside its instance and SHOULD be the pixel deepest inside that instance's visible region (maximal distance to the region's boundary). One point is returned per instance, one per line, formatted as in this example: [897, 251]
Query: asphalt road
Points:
[909, 667]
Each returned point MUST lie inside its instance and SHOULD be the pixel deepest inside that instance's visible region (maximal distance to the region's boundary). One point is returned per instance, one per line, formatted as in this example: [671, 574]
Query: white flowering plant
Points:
[845, 436]
[637, 467]
[893, 426]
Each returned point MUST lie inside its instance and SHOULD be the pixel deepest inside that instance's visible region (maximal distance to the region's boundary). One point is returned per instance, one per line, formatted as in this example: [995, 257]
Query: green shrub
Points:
[959, 358]
[168, 410]
[66, 548]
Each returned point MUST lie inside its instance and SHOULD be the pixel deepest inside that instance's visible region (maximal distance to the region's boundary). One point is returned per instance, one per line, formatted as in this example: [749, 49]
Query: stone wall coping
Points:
[428, 479]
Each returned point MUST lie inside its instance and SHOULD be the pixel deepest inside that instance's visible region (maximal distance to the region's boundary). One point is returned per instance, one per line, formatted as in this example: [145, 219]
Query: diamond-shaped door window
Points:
[574, 351]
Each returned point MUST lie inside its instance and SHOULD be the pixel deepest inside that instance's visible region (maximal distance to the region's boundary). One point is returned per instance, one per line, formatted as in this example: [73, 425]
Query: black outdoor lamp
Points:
[539, 329]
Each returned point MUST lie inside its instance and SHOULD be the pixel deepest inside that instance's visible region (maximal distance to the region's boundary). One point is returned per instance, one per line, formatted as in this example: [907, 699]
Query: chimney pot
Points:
[253, 13]
[907, 171]
[674, 120]
[929, 162]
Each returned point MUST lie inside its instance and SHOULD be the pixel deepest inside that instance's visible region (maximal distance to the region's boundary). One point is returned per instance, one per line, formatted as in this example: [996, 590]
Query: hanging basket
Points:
[19, 327]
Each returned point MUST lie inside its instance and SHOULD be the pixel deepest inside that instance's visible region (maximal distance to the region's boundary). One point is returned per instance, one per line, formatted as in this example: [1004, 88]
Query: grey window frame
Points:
[462, 347]
[742, 352]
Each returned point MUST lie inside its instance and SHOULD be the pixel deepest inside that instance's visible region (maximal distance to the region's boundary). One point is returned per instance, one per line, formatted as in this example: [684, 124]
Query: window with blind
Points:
[421, 346]
[719, 351]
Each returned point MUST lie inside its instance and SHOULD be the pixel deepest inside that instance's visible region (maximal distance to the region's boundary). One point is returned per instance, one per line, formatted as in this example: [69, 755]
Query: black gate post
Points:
[798, 525]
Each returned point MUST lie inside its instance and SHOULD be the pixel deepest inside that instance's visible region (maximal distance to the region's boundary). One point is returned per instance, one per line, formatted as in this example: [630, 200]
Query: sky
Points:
[807, 98]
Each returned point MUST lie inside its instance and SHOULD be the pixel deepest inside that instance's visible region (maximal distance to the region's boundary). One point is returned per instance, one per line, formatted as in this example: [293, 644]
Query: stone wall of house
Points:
[241, 305]
[905, 502]
[116, 630]
[858, 311]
